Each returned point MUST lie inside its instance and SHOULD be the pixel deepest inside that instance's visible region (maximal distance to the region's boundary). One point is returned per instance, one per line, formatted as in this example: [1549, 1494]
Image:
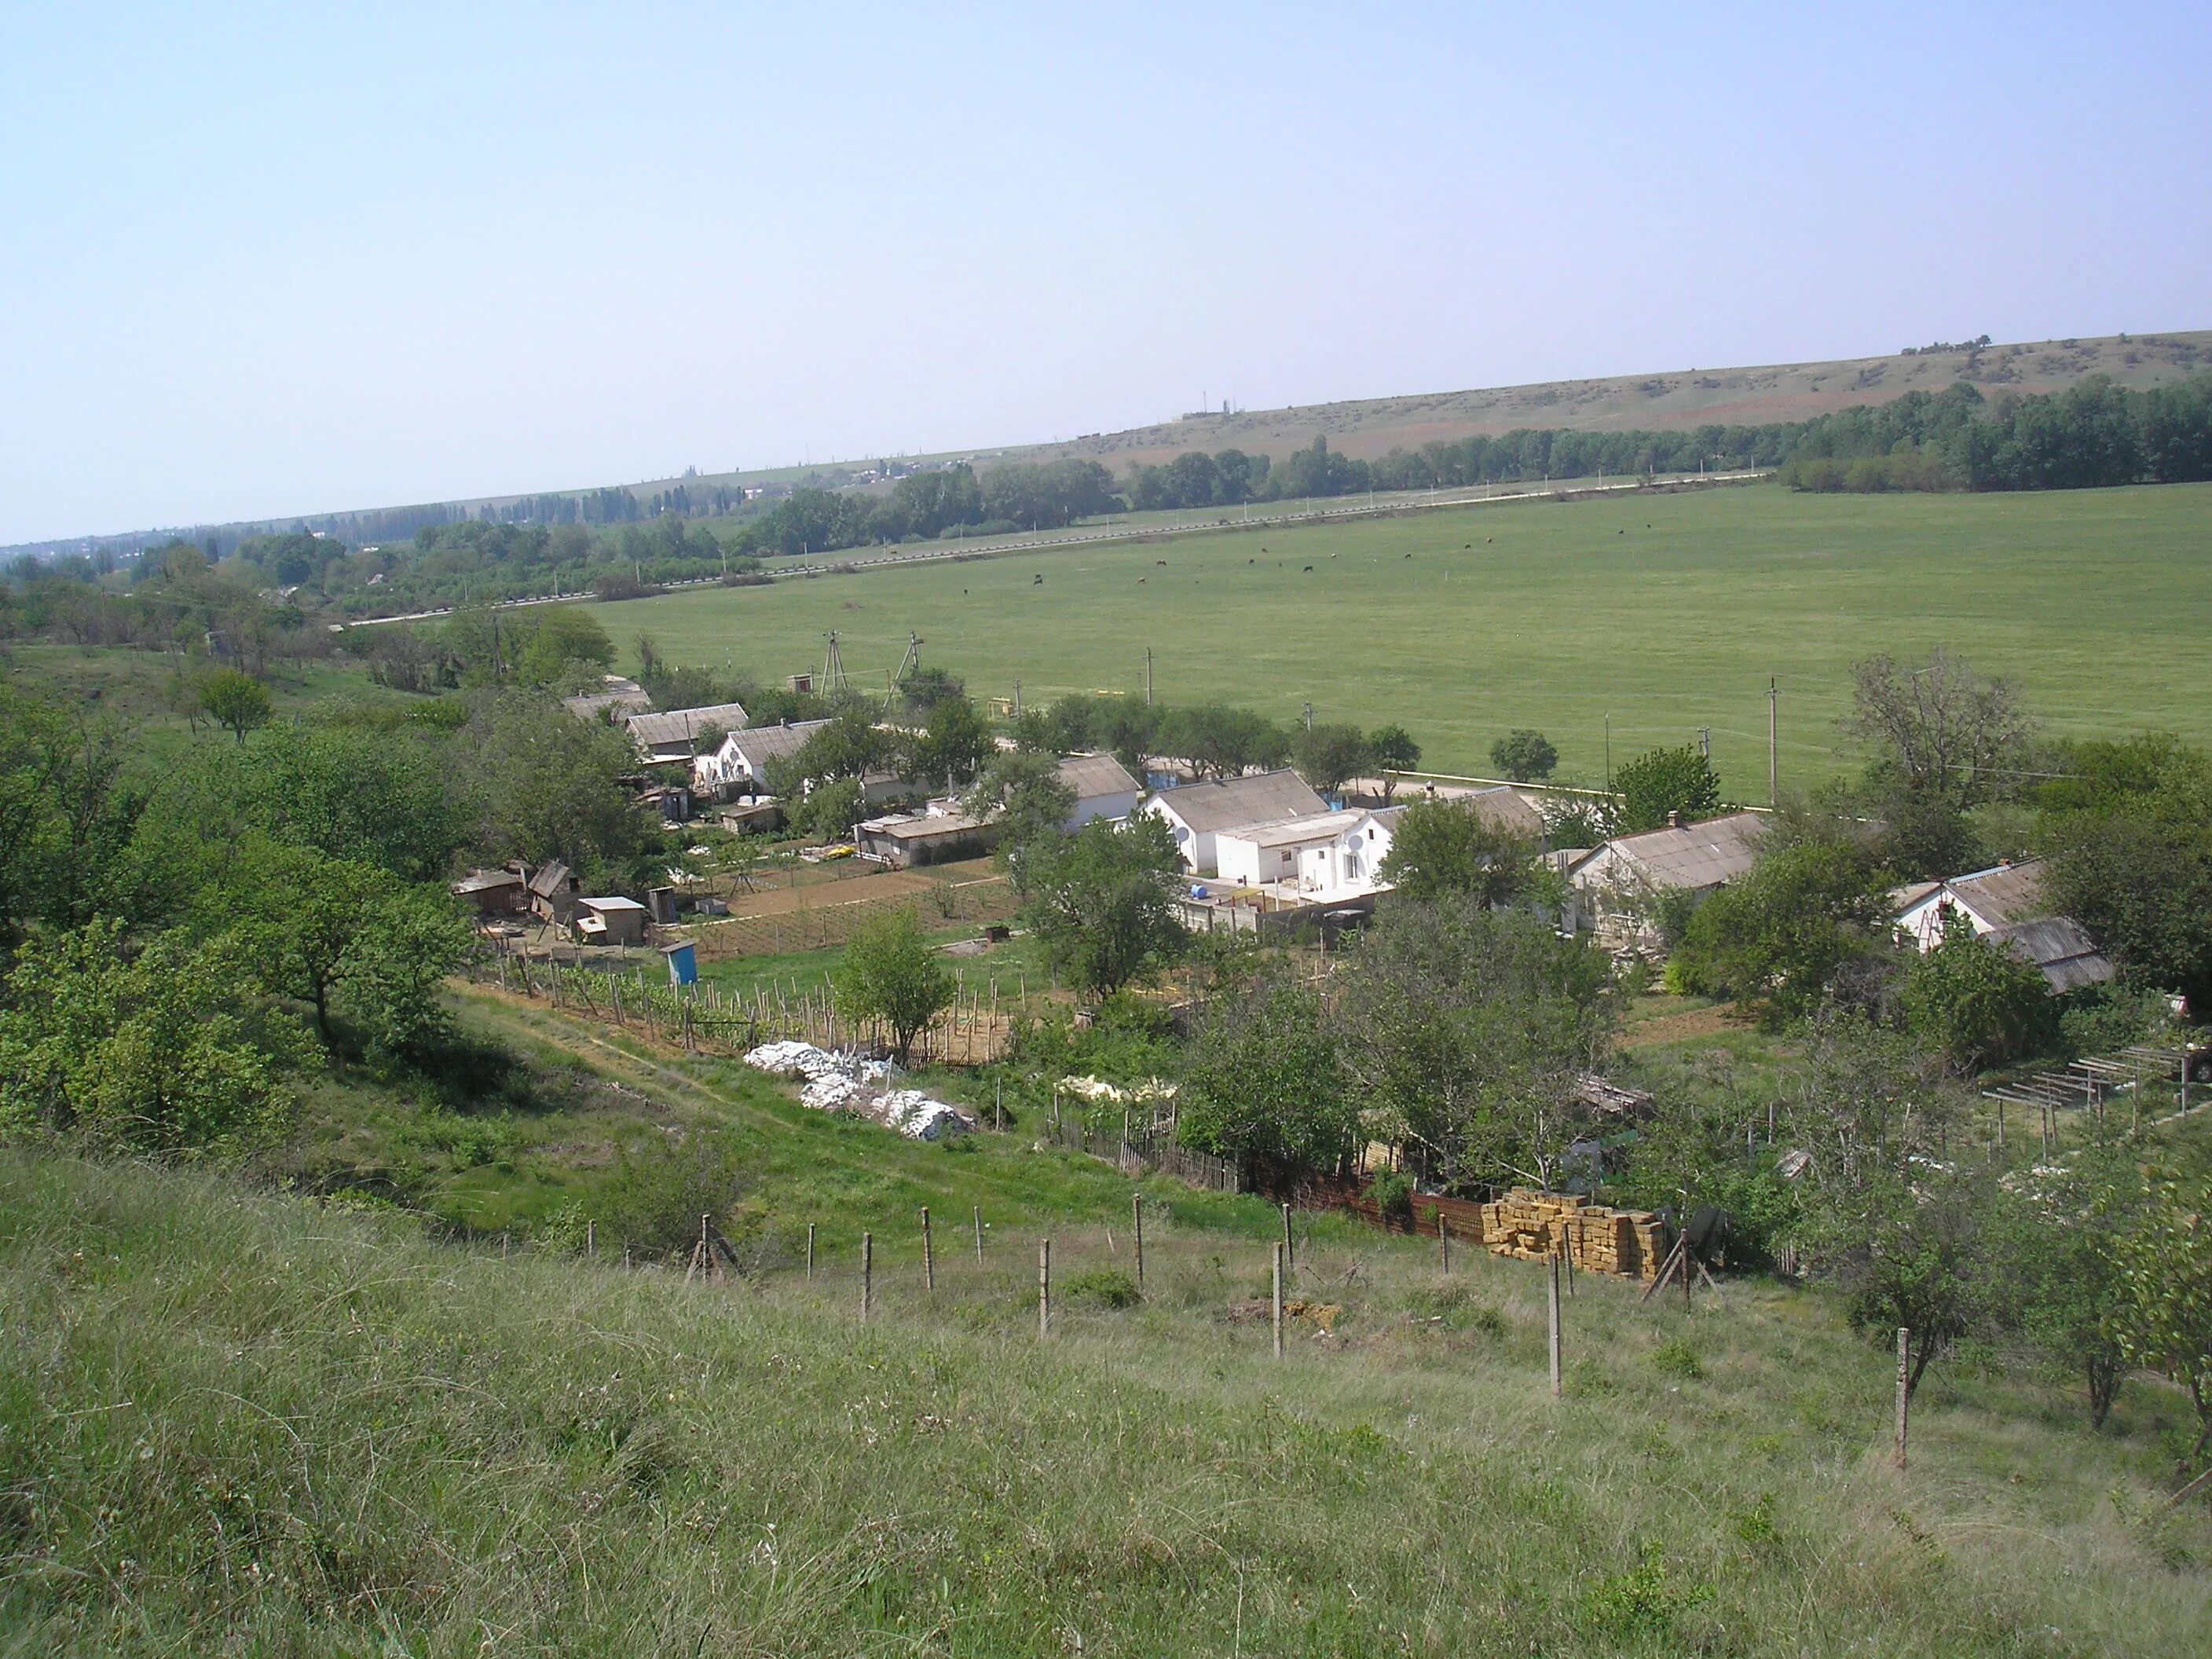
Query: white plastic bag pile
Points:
[849, 1082]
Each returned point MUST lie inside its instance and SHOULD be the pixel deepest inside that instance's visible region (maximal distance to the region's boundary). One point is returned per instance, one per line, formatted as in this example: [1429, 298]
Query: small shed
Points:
[683, 962]
[1102, 786]
[610, 921]
[494, 892]
[553, 891]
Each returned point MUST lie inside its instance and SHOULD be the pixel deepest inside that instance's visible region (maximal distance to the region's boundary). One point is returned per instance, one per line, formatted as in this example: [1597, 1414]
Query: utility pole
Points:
[1608, 754]
[1773, 785]
[1148, 676]
[1309, 717]
[1018, 700]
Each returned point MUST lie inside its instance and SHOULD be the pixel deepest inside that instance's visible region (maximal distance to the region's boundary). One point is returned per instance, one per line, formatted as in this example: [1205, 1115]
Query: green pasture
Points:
[1666, 612]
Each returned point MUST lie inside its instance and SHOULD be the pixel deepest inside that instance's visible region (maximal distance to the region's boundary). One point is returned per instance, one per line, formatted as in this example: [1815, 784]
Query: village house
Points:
[2005, 904]
[734, 770]
[673, 737]
[1613, 887]
[1102, 786]
[1197, 813]
[940, 835]
[617, 699]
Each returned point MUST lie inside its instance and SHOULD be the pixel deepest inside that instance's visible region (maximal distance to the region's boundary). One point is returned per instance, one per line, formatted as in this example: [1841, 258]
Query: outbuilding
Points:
[610, 921]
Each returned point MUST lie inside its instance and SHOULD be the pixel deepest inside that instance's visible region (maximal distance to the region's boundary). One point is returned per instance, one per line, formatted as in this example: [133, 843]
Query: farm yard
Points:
[1667, 612]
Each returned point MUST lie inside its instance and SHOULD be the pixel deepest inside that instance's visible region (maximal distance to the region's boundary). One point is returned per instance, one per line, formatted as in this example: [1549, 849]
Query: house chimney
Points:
[1673, 820]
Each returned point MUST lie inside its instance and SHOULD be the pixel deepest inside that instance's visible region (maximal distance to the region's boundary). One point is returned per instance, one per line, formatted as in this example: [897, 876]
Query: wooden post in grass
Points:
[1137, 1229]
[1904, 1384]
[1275, 1303]
[1289, 1259]
[1044, 1288]
[928, 1254]
[592, 1240]
[977, 1212]
[809, 1251]
[1554, 1298]
[867, 1274]
[1443, 1242]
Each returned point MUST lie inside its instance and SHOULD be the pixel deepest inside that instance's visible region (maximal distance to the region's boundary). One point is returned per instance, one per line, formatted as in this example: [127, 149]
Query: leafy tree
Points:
[953, 744]
[1524, 755]
[68, 816]
[549, 786]
[2140, 880]
[237, 702]
[1100, 899]
[394, 968]
[829, 810]
[2165, 1271]
[163, 1052]
[1264, 1077]
[1024, 789]
[1661, 781]
[1330, 756]
[2062, 1286]
[1464, 1032]
[1975, 1003]
[1395, 751]
[1221, 742]
[1445, 847]
[890, 974]
[1942, 740]
[1779, 937]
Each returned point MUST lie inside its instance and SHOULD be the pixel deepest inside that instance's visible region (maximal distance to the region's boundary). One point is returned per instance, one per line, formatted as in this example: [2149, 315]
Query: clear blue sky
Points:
[267, 261]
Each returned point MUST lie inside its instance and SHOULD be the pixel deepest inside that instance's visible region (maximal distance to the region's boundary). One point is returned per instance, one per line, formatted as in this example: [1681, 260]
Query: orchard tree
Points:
[1976, 1003]
[236, 702]
[891, 974]
[1265, 1078]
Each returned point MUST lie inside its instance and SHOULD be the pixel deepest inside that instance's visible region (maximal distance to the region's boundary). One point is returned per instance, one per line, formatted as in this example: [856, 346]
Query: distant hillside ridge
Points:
[1364, 429]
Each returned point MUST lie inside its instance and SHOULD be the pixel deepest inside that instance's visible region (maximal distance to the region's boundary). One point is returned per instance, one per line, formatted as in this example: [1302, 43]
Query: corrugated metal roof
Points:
[550, 879]
[1299, 831]
[2061, 947]
[920, 826]
[1698, 855]
[1262, 798]
[609, 904]
[1094, 775]
[487, 881]
[1500, 807]
[680, 725]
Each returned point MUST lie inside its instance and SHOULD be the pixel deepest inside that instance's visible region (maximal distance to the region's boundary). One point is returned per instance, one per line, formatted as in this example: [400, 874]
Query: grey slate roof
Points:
[676, 728]
[1262, 798]
[1302, 832]
[762, 744]
[1093, 775]
[2061, 947]
[2002, 897]
[1698, 855]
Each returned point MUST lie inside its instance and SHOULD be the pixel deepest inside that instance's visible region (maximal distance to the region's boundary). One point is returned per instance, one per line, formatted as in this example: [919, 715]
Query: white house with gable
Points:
[1198, 813]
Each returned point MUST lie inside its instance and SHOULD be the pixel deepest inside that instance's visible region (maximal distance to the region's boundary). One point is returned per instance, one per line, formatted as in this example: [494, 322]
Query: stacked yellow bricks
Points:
[1532, 1227]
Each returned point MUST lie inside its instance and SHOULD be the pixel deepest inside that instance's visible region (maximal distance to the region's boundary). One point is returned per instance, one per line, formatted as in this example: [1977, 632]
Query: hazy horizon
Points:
[268, 264]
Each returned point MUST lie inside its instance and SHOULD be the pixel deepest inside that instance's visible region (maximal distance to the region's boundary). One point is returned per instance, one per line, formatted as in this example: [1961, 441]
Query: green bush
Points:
[1676, 1358]
[1100, 1287]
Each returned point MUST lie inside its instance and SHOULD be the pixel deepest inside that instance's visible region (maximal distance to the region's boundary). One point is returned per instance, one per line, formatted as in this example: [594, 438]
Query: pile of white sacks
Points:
[850, 1083]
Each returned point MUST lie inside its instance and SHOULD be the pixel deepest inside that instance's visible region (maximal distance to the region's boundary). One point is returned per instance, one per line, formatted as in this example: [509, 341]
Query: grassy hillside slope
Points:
[233, 1423]
[1669, 613]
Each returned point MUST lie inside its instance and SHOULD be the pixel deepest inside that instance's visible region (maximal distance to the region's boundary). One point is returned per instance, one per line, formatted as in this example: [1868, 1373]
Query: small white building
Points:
[1197, 813]
[734, 768]
[1319, 853]
[1102, 786]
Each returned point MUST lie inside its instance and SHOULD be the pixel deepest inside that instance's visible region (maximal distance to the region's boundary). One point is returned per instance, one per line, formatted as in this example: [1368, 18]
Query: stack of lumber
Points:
[1532, 1227]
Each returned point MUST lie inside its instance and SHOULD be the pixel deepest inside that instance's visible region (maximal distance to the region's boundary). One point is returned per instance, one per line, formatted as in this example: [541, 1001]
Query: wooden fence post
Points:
[809, 1251]
[1289, 1259]
[979, 1235]
[1443, 1241]
[867, 1274]
[1556, 1389]
[1044, 1288]
[592, 1240]
[1903, 1387]
[928, 1254]
[1275, 1302]
[1137, 1228]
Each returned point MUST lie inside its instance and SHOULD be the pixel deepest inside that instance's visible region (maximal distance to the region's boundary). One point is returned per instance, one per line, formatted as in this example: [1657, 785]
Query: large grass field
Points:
[1666, 612]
